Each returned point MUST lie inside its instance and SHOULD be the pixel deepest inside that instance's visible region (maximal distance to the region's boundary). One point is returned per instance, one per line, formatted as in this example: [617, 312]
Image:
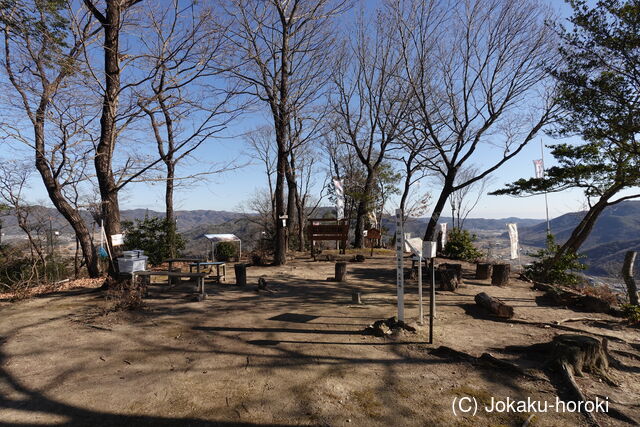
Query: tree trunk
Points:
[627, 274]
[494, 305]
[300, 205]
[106, 144]
[582, 231]
[447, 189]
[280, 253]
[170, 216]
[363, 210]
[58, 199]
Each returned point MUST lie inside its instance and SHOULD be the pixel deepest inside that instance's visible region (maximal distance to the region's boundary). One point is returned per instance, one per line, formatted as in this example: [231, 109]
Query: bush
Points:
[151, 235]
[558, 272]
[460, 246]
[632, 312]
[225, 251]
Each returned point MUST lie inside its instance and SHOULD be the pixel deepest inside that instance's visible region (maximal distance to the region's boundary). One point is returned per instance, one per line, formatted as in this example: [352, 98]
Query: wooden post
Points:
[355, 297]
[500, 275]
[483, 271]
[494, 305]
[241, 274]
[627, 274]
[341, 271]
[457, 268]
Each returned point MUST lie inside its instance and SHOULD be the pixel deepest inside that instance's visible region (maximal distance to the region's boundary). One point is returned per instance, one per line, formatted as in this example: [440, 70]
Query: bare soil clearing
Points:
[293, 356]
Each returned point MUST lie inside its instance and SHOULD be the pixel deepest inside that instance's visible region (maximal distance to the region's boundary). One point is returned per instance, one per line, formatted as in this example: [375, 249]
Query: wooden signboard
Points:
[328, 229]
[373, 235]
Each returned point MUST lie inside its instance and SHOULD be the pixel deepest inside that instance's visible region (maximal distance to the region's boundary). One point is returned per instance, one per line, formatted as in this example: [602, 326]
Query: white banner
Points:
[339, 189]
[539, 168]
[443, 230]
[513, 237]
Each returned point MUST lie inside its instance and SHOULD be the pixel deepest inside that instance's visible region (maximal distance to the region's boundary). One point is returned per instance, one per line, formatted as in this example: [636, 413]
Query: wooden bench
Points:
[198, 276]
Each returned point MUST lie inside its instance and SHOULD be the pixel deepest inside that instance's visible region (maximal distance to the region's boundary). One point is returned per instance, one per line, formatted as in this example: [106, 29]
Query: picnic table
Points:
[217, 264]
[171, 261]
[198, 276]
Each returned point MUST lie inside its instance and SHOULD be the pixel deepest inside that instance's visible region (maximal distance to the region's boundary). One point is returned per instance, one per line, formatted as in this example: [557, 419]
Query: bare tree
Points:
[111, 22]
[42, 44]
[370, 104]
[465, 199]
[184, 49]
[283, 54]
[477, 70]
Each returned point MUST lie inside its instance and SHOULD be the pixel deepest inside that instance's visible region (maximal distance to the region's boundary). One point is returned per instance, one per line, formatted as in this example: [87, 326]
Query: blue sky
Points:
[231, 190]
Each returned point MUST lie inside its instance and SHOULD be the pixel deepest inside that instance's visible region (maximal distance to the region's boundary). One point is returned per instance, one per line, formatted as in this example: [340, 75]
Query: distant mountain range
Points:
[616, 231]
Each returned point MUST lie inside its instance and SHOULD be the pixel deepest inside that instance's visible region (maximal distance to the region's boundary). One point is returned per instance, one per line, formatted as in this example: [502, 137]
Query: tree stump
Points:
[500, 274]
[457, 268]
[355, 297]
[447, 278]
[241, 274]
[341, 271]
[494, 305]
[483, 271]
[581, 353]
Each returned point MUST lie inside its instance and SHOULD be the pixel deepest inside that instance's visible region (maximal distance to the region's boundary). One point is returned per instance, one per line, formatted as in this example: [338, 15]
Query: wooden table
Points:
[171, 261]
[217, 264]
[198, 276]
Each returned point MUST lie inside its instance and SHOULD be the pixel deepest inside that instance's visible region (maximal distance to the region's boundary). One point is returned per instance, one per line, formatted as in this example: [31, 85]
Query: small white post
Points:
[400, 263]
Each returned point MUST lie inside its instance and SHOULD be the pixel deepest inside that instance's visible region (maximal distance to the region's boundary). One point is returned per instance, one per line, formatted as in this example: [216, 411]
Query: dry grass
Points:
[33, 291]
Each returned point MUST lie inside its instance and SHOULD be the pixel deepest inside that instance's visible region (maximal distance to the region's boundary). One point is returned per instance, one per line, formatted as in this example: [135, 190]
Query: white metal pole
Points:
[421, 313]
[400, 263]
[546, 199]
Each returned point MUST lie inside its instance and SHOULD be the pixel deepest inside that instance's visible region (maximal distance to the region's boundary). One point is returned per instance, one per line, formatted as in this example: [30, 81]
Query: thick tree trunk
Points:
[170, 216]
[363, 210]
[447, 189]
[582, 231]
[106, 144]
[280, 252]
[58, 199]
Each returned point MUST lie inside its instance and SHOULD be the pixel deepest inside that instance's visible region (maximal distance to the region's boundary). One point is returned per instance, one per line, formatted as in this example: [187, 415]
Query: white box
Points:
[429, 249]
[130, 265]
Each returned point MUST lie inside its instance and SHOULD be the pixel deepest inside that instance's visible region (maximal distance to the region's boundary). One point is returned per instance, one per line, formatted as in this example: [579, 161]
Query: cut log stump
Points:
[341, 271]
[483, 271]
[581, 352]
[447, 278]
[500, 274]
[241, 274]
[494, 305]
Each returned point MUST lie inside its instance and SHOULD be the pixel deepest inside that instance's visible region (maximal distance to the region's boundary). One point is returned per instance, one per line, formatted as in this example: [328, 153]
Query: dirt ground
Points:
[294, 356]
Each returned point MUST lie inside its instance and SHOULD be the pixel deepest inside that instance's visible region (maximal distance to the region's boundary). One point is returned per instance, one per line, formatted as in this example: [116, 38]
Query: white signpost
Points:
[513, 239]
[415, 246]
[400, 263]
[429, 249]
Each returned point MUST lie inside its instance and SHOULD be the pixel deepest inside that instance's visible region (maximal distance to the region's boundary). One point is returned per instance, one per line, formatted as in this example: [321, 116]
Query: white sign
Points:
[443, 230]
[513, 237]
[429, 249]
[400, 265]
[117, 239]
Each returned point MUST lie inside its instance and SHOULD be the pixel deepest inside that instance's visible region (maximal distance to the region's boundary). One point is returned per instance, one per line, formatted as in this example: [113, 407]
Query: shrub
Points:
[151, 235]
[460, 246]
[632, 313]
[548, 270]
[225, 251]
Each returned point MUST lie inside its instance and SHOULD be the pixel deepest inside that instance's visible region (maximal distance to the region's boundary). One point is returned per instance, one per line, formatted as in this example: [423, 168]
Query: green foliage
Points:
[225, 251]
[460, 245]
[631, 312]
[548, 269]
[151, 235]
